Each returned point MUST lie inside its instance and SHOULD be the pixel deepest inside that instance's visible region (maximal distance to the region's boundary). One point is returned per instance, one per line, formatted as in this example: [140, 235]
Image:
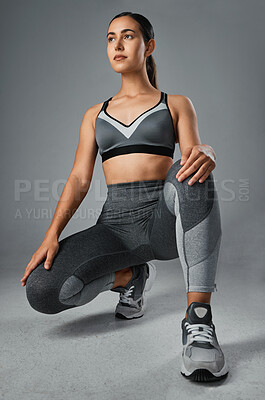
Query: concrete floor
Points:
[86, 353]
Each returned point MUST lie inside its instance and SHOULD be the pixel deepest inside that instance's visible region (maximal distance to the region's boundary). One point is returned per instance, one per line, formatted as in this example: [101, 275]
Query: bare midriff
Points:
[136, 167]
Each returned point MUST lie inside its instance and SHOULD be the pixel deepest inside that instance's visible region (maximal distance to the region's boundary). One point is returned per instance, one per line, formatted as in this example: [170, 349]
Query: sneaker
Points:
[132, 303]
[202, 357]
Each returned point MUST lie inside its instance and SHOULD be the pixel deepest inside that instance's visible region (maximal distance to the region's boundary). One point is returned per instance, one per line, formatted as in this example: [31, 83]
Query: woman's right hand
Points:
[48, 249]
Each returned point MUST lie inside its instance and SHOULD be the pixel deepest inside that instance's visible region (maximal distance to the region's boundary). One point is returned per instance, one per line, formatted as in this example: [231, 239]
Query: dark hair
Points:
[148, 33]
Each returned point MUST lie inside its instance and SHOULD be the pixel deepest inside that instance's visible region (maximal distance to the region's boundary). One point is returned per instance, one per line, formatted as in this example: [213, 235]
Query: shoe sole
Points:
[148, 285]
[204, 375]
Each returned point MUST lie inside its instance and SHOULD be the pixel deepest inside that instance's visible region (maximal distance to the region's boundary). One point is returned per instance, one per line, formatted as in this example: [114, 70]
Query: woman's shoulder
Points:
[178, 98]
[95, 108]
[92, 112]
[180, 103]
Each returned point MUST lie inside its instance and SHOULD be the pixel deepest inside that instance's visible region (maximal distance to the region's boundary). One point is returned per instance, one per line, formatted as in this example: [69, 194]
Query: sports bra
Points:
[151, 132]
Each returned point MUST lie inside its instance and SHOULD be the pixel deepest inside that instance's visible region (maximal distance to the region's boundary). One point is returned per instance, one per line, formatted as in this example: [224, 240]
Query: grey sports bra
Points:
[151, 132]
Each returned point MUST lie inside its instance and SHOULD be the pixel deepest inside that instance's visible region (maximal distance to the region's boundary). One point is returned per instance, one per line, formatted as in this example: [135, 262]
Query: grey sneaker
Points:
[132, 303]
[202, 357]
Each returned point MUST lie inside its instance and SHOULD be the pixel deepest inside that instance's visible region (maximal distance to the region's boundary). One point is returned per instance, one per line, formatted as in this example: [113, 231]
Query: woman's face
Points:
[125, 38]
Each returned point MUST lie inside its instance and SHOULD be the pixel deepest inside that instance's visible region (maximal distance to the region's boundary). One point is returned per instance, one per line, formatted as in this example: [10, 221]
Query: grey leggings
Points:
[139, 221]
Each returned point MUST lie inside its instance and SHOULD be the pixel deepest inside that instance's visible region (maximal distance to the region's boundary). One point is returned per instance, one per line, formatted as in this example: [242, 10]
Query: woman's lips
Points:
[119, 58]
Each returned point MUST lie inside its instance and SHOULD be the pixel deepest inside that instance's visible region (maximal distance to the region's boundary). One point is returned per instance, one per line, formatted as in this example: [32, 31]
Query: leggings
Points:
[140, 221]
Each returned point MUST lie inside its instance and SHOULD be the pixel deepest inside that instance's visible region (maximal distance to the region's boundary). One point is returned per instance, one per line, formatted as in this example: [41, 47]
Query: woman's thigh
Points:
[87, 254]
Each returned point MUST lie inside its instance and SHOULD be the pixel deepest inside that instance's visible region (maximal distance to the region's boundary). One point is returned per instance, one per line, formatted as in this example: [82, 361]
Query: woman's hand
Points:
[48, 249]
[200, 157]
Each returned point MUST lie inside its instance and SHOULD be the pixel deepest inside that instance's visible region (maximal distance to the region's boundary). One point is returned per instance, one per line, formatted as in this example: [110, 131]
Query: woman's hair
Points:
[148, 33]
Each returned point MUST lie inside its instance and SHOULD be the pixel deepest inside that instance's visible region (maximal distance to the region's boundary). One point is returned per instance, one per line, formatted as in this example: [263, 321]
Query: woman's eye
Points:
[110, 39]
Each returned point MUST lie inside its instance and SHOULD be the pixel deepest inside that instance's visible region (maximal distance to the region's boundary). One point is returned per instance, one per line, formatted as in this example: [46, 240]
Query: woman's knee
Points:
[42, 292]
[193, 202]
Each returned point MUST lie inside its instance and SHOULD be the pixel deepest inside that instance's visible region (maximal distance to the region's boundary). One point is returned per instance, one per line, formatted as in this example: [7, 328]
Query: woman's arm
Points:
[194, 155]
[74, 191]
[80, 177]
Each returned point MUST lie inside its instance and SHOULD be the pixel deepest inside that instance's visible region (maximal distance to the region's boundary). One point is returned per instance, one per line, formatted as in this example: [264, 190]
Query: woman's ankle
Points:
[122, 277]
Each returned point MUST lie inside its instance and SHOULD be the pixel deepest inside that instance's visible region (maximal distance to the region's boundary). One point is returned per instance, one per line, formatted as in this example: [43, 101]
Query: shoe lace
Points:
[124, 297]
[200, 332]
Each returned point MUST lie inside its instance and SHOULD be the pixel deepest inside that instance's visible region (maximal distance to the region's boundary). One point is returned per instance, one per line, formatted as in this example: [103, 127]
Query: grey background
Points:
[54, 66]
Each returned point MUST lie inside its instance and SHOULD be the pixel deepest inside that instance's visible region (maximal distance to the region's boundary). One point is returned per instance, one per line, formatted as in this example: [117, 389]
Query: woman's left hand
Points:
[199, 157]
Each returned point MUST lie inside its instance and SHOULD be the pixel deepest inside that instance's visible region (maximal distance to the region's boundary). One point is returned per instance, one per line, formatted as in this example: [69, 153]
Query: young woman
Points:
[155, 209]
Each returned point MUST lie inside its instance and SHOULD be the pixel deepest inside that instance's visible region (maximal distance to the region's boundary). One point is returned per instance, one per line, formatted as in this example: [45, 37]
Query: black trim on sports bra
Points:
[170, 116]
[127, 126]
[138, 148]
[102, 107]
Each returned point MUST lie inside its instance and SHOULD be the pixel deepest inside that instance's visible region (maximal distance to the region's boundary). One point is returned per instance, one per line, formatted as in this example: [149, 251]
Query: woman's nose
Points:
[118, 45]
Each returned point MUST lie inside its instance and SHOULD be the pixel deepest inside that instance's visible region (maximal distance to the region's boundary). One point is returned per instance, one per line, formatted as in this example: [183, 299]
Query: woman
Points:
[155, 209]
